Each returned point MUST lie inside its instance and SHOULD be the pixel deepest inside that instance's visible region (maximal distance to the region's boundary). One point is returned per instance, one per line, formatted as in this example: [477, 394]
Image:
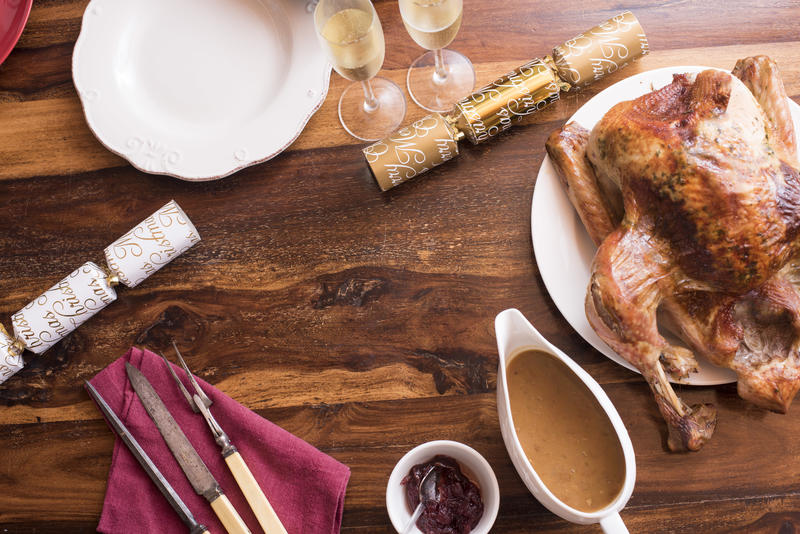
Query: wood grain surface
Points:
[360, 321]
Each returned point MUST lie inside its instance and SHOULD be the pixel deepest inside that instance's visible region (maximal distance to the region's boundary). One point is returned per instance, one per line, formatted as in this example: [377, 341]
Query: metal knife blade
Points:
[147, 464]
[193, 467]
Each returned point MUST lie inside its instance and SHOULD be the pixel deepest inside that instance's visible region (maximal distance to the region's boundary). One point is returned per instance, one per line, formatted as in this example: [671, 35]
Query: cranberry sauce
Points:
[458, 506]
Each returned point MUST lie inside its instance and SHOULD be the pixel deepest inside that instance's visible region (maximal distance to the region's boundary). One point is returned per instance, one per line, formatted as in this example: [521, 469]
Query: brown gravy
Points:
[564, 431]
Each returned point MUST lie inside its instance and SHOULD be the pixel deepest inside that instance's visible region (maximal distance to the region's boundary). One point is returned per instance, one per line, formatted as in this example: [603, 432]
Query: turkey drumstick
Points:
[707, 171]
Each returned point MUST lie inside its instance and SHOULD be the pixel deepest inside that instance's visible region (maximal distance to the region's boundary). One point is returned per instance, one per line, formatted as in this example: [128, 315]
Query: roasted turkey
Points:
[692, 194]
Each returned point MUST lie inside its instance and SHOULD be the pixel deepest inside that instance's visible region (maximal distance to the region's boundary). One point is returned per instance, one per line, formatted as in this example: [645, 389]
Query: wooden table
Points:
[359, 321]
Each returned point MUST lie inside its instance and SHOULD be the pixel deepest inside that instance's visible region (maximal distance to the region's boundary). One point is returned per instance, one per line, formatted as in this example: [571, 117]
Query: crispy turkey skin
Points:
[706, 168]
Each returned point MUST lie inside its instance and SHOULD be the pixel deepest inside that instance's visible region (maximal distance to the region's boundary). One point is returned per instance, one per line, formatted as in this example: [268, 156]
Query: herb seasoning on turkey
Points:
[692, 194]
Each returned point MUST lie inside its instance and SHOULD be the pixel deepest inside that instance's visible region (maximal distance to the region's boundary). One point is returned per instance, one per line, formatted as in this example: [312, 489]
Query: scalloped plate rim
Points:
[319, 84]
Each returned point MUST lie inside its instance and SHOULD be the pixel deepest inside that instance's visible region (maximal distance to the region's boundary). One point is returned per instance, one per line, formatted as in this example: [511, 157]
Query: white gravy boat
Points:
[515, 334]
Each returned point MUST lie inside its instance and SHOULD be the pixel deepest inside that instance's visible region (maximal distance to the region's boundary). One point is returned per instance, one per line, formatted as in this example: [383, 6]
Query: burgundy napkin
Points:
[305, 486]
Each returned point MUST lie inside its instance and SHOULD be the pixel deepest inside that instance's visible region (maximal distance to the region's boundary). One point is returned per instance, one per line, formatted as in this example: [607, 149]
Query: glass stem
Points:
[439, 69]
[370, 102]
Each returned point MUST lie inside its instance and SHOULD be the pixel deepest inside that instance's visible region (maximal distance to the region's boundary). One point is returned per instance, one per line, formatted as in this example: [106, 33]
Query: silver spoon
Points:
[427, 492]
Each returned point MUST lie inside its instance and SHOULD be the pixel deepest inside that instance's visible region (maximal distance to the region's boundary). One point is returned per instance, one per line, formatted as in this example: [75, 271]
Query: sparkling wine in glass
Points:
[352, 37]
[440, 77]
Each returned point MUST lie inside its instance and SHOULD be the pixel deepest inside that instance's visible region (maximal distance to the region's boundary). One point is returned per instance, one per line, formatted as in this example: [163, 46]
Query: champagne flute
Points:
[438, 78]
[352, 37]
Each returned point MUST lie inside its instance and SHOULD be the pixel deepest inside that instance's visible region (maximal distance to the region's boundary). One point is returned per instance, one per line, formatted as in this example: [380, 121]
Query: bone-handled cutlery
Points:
[200, 403]
[192, 465]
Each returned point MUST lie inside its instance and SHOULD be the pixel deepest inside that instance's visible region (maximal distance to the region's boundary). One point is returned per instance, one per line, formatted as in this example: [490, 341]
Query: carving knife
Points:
[200, 403]
[192, 465]
[147, 464]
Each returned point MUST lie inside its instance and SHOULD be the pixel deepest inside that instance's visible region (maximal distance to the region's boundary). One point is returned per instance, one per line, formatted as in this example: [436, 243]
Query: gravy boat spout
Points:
[514, 335]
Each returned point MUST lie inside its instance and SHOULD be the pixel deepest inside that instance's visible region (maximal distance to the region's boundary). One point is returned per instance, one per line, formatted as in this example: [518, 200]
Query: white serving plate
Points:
[563, 249]
[198, 89]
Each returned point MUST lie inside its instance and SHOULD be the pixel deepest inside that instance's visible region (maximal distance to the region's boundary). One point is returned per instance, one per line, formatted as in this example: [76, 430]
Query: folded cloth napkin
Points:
[305, 486]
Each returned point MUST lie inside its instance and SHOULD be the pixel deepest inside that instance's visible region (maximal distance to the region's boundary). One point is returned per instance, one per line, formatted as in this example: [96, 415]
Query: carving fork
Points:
[200, 403]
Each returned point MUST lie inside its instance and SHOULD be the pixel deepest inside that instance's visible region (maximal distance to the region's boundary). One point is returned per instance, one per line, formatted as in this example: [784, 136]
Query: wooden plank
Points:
[359, 321]
[50, 136]
[758, 495]
[491, 28]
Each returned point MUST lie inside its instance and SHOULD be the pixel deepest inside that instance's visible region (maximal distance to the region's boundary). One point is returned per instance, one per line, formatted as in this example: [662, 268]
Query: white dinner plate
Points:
[564, 251]
[198, 89]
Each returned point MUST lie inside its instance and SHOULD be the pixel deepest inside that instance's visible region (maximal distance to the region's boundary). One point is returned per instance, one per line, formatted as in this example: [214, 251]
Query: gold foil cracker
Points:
[603, 50]
[495, 108]
[411, 150]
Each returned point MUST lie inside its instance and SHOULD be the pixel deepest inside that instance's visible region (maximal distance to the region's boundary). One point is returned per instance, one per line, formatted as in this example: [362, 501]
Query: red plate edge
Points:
[19, 13]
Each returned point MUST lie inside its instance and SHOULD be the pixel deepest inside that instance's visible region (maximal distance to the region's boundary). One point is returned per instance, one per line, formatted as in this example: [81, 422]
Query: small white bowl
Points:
[472, 464]
[514, 334]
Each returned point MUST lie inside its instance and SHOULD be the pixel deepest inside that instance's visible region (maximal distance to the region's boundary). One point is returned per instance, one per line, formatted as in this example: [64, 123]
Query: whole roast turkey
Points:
[692, 194]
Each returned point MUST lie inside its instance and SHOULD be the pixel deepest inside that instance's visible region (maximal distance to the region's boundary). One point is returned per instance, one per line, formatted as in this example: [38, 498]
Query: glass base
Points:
[433, 92]
[372, 124]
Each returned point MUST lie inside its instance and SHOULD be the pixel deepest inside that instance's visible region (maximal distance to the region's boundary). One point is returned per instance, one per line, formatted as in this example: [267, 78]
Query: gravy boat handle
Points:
[612, 524]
